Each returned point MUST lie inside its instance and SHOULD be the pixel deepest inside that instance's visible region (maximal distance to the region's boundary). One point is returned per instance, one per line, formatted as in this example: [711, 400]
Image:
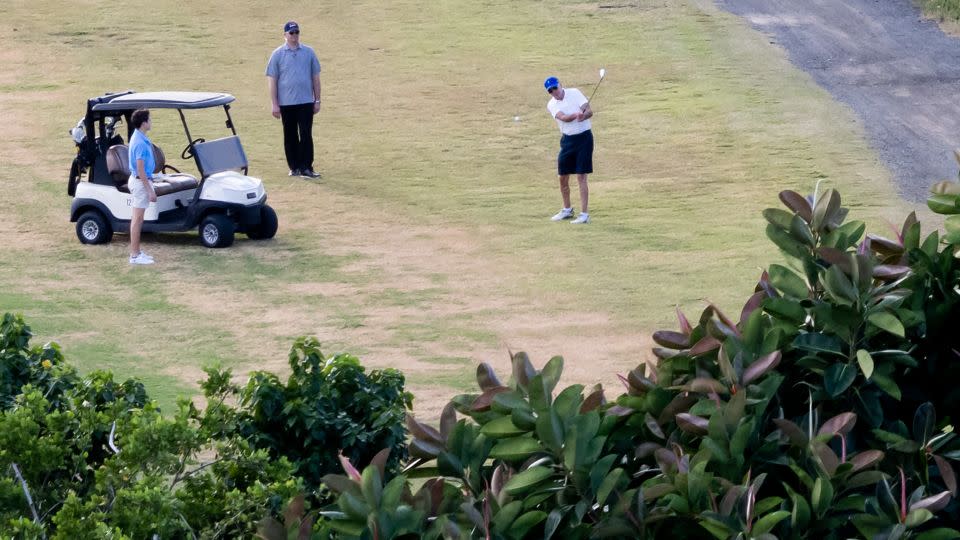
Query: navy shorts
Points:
[576, 154]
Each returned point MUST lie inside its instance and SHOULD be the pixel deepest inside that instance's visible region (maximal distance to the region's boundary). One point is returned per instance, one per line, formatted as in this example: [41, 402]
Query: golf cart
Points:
[221, 200]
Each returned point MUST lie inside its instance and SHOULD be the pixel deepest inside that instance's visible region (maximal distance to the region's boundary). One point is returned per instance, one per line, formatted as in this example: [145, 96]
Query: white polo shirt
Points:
[572, 100]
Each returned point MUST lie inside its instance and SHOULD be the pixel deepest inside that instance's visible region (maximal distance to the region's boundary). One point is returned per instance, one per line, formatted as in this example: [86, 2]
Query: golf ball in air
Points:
[516, 118]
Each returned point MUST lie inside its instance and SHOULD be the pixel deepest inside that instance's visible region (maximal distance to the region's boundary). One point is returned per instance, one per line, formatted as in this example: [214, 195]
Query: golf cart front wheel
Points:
[93, 228]
[267, 228]
[216, 231]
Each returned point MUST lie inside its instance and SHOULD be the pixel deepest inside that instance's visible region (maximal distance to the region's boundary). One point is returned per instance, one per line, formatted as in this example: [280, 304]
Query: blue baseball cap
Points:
[551, 82]
[292, 25]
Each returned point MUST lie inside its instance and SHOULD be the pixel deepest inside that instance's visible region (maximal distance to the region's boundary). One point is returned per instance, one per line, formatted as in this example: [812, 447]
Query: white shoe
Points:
[564, 213]
[144, 254]
[582, 219]
[141, 258]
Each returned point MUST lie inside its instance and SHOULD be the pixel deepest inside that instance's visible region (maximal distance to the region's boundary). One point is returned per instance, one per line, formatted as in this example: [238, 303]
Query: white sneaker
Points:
[564, 213]
[141, 259]
[583, 218]
[144, 254]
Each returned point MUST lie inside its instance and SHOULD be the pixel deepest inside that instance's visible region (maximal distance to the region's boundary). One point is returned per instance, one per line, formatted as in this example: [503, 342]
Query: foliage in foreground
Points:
[90, 457]
[824, 410]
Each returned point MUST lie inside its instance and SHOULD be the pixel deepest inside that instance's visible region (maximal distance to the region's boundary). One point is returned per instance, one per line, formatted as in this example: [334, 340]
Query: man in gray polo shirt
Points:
[293, 75]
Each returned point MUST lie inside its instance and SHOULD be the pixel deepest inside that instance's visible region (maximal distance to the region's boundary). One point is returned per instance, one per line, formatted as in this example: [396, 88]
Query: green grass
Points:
[427, 238]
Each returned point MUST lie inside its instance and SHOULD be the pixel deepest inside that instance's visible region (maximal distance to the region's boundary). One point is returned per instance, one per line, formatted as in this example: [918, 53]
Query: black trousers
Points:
[298, 135]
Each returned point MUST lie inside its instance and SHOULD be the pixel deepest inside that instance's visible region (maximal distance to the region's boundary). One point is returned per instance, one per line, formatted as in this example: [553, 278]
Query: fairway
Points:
[427, 244]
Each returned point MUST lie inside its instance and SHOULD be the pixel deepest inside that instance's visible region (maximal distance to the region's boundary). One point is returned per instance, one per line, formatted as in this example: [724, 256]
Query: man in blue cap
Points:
[571, 109]
[293, 75]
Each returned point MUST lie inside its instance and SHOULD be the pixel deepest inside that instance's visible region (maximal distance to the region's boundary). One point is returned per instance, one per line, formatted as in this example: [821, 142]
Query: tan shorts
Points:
[141, 197]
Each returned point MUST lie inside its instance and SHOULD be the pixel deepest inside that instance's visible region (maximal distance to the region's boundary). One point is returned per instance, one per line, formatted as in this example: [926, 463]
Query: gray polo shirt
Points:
[294, 70]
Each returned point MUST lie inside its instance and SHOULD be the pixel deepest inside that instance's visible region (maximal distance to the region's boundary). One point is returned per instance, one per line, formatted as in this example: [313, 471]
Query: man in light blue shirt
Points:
[293, 76]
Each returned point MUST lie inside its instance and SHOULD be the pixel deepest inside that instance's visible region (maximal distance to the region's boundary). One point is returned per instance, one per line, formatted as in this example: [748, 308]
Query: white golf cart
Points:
[222, 199]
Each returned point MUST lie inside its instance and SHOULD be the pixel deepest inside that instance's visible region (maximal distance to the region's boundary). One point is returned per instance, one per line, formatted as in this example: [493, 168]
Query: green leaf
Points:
[825, 211]
[944, 204]
[839, 287]
[768, 522]
[865, 361]
[838, 378]
[787, 281]
[500, 428]
[372, 486]
[785, 242]
[785, 309]
[550, 430]
[822, 495]
[777, 217]
[800, 231]
[924, 422]
[610, 483]
[918, 517]
[524, 523]
[551, 373]
[527, 480]
[820, 343]
[503, 519]
[939, 534]
[887, 321]
[515, 448]
[885, 383]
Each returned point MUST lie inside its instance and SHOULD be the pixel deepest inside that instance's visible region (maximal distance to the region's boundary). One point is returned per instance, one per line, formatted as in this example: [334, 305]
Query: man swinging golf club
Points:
[571, 109]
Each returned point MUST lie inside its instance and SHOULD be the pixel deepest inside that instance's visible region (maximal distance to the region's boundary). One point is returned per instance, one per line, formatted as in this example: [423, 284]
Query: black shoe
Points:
[294, 172]
[309, 173]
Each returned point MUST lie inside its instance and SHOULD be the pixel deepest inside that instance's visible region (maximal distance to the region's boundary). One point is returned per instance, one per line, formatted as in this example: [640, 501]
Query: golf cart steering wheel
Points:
[188, 150]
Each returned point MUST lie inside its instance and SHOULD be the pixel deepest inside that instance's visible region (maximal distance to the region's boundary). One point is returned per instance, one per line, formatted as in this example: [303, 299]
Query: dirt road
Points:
[896, 70]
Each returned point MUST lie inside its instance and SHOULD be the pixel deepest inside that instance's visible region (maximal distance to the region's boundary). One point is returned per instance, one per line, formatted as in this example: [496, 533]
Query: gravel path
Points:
[897, 71]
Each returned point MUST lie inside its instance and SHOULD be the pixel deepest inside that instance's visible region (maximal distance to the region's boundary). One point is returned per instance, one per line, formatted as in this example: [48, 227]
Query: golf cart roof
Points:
[164, 100]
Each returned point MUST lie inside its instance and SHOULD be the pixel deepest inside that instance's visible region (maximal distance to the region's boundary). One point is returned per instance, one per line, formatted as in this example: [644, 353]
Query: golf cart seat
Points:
[118, 166]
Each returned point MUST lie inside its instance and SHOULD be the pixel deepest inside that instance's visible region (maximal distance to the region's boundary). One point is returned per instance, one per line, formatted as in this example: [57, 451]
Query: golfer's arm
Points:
[316, 88]
[586, 110]
[272, 84]
[566, 117]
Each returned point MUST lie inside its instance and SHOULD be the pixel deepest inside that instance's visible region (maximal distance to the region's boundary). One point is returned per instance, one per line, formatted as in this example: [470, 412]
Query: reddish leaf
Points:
[692, 424]
[798, 204]
[619, 410]
[638, 380]
[680, 403]
[907, 223]
[795, 435]
[890, 272]
[933, 503]
[726, 320]
[423, 431]
[705, 345]
[380, 461]
[836, 257]
[663, 353]
[730, 499]
[946, 472]
[839, 424]
[753, 303]
[705, 385]
[294, 510]
[827, 457]
[486, 377]
[422, 449]
[866, 459]
[684, 323]
[593, 400]
[484, 400]
[348, 467]
[672, 340]
[666, 459]
[884, 246]
[647, 449]
[338, 483]
[760, 366]
[653, 426]
[448, 419]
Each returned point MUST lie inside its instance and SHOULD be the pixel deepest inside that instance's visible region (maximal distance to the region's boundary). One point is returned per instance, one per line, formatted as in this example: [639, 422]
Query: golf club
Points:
[603, 73]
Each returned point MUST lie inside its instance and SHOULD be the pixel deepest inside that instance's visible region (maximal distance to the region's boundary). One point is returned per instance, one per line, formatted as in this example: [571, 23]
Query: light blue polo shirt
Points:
[141, 148]
[294, 70]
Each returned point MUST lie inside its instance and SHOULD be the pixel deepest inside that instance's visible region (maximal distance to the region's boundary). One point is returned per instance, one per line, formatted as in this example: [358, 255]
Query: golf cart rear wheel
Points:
[268, 225]
[93, 228]
[216, 231]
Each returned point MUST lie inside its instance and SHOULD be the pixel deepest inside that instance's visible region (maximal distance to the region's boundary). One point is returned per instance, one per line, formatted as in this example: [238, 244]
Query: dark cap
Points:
[292, 25]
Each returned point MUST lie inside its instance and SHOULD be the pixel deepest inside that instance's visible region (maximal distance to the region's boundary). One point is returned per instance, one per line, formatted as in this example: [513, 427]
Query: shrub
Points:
[811, 415]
